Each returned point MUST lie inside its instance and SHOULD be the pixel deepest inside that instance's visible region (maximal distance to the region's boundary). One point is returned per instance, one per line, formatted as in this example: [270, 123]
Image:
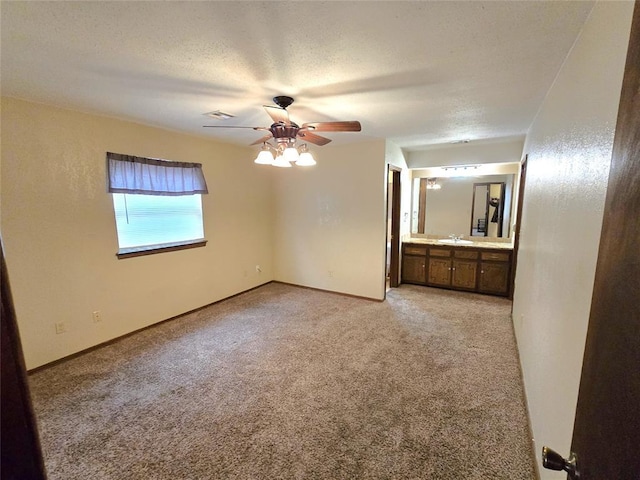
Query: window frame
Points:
[130, 252]
[153, 248]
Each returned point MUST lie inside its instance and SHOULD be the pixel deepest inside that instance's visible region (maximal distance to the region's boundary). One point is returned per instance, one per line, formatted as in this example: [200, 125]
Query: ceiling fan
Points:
[285, 132]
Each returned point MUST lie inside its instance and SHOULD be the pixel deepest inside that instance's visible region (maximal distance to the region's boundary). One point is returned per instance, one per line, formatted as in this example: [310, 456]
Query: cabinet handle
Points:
[481, 271]
[454, 269]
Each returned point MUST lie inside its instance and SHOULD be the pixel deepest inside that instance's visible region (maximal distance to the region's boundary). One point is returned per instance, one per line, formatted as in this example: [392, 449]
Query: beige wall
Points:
[569, 147]
[330, 221]
[478, 151]
[59, 231]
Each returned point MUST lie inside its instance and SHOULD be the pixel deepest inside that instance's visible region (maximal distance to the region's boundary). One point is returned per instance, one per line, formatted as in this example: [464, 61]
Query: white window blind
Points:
[151, 220]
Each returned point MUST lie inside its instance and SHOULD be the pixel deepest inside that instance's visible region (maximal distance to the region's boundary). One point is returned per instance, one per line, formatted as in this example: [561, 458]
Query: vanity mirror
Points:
[473, 206]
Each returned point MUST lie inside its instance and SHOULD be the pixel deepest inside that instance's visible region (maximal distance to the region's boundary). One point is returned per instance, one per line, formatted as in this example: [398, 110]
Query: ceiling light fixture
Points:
[432, 184]
[305, 159]
[461, 167]
[290, 154]
[285, 154]
[281, 162]
[265, 156]
[460, 170]
[284, 134]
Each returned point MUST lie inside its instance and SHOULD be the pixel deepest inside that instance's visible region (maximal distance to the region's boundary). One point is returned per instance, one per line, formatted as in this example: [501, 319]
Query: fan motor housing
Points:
[284, 133]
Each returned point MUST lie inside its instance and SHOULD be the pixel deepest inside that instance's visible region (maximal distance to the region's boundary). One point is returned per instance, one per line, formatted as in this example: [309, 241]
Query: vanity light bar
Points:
[462, 170]
[461, 167]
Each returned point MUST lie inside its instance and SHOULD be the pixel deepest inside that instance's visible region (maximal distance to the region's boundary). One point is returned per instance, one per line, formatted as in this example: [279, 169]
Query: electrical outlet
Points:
[97, 316]
[330, 273]
[61, 327]
[258, 269]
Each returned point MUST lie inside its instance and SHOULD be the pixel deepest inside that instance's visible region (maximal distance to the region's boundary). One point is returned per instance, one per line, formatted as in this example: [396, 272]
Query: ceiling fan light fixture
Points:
[281, 162]
[265, 157]
[290, 154]
[285, 133]
[305, 159]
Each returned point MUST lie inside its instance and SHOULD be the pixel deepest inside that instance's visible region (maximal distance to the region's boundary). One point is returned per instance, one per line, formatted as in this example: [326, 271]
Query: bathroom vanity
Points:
[482, 267]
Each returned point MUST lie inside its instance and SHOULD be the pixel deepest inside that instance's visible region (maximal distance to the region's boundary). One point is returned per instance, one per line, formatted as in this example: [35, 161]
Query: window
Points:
[157, 204]
[149, 222]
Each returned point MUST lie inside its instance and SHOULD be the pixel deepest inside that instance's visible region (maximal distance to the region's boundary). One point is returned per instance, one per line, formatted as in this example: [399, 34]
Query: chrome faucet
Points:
[456, 238]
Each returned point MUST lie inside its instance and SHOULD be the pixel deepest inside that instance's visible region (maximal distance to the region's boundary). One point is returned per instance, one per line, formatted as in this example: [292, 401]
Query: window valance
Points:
[151, 176]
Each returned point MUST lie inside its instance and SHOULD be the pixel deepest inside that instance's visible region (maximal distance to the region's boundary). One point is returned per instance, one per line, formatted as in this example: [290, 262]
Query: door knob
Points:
[552, 460]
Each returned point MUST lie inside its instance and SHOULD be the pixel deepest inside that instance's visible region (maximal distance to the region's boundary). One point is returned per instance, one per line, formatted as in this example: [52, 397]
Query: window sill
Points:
[161, 248]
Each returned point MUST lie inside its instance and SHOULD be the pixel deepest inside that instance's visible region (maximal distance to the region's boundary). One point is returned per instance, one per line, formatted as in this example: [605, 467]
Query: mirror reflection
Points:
[487, 211]
[478, 206]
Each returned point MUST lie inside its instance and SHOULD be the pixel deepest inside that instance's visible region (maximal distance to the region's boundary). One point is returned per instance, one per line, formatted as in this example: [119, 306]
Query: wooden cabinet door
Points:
[463, 274]
[439, 272]
[414, 269]
[494, 278]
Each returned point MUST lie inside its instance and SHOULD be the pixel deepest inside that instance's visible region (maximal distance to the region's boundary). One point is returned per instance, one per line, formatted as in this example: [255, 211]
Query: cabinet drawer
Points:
[500, 257]
[465, 254]
[439, 252]
[415, 250]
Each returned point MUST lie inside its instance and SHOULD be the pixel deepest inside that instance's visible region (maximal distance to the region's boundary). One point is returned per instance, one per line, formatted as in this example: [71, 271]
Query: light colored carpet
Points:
[285, 382]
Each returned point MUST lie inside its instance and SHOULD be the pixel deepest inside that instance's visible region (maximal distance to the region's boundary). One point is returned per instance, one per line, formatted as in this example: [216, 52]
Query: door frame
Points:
[394, 173]
[516, 233]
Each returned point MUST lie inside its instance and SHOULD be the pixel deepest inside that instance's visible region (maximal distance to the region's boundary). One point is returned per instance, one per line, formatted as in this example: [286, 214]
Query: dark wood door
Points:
[21, 455]
[394, 269]
[606, 436]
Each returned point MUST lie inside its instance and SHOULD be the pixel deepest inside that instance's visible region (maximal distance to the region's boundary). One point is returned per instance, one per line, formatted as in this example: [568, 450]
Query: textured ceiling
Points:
[418, 73]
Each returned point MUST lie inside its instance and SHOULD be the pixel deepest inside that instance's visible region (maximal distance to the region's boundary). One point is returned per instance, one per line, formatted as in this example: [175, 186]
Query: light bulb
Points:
[290, 154]
[281, 162]
[306, 160]
[265, 157]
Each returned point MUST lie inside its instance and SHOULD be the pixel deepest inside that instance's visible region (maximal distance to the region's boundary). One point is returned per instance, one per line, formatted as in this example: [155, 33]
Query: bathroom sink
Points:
[451, 241]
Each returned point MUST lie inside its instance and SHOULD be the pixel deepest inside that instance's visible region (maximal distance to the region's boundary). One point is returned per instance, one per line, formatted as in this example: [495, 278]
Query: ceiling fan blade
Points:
[266, 138]
[278, 114]
[353, 126]
[313, 138]
[234, 126]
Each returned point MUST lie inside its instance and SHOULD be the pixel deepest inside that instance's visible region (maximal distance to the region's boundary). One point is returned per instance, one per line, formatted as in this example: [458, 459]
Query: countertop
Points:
[435, 242]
